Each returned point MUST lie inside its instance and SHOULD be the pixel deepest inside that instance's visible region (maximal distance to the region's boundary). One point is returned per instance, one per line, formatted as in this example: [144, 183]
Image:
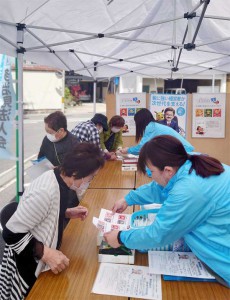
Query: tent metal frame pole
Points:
[94, 95]
[8, 41]
[62, 43]
[206, 2]
[62, 30]
[213, 83]
[81, 62]
[214, 42]
[95, 88]
[20, 54]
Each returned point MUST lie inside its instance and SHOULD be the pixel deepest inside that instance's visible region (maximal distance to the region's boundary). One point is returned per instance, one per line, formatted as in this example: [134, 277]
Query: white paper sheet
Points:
[39, 167]
[108, 221]
[177, 264]
[127, 281]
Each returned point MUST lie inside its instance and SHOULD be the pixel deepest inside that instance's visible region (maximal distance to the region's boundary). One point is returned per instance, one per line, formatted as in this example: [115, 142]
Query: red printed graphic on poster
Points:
[126, 106]
[208, 119]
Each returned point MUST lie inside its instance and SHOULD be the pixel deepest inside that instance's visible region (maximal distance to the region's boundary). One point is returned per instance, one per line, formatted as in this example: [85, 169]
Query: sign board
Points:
[208, 115]
[127, 105]
[175, 103]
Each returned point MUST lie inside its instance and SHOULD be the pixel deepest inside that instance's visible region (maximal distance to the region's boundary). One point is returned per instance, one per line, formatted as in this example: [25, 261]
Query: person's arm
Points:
[80, 212]
[30, 213]
[94, 137]
[146, 194]
[102, 141]
[136, 149]
[185, 209]
[118, 143]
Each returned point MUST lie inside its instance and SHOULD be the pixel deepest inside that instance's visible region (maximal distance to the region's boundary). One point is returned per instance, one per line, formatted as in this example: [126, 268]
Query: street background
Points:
[33, 135]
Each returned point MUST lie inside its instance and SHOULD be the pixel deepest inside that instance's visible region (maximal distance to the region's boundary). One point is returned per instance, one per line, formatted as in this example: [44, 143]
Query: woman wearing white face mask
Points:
[34, 232]
[111, 140]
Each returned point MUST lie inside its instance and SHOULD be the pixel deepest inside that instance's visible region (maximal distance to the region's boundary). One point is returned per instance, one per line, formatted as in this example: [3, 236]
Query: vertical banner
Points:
[126, 106]
[170, 110]
[208, 115]
[7, 107]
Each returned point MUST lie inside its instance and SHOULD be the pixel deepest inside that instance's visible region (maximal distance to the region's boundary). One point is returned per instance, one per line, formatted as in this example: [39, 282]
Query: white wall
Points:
[42, 90]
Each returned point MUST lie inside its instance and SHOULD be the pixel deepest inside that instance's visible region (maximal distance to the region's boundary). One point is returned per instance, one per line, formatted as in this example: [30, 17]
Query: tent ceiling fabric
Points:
[145, 37]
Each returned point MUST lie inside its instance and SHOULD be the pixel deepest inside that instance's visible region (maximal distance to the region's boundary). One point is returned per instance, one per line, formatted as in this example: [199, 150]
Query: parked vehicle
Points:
[176, 91]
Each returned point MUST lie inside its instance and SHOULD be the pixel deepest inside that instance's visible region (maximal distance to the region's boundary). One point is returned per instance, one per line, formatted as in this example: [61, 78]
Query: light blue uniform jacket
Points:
[193, 207]
[154, 129]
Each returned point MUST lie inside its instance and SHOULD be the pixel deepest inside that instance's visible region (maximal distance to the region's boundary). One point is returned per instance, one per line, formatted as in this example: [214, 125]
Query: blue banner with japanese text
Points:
[7, 108]
[170, 110]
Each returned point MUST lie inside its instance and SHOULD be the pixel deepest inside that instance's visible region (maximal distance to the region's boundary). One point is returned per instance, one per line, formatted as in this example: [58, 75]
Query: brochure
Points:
[109, 221]
[184, 264]
[39, 166]
[127, 281]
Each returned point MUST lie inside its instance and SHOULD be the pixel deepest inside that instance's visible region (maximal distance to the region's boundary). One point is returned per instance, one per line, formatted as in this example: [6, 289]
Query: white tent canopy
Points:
[152, 38]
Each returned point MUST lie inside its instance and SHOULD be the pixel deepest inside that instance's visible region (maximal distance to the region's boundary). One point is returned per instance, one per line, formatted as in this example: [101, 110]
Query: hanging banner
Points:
[7, 107]
[170, 110]
[208, 115]
[126, 106]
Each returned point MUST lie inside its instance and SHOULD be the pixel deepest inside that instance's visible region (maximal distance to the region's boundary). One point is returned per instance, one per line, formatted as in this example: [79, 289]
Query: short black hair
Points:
[56, 120]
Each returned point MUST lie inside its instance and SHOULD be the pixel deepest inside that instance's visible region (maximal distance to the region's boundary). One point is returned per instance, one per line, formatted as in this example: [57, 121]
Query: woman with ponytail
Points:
[194, 191]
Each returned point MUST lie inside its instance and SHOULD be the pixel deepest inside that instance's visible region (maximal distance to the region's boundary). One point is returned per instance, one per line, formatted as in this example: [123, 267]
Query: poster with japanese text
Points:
[170, 110]
[208, 115]
[7, 108]
[126, 106]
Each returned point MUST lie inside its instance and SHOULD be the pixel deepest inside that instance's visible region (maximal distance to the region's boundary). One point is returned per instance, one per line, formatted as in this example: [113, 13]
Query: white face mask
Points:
[115, 129]
[100, 130]
[81, 189]
[51, 137]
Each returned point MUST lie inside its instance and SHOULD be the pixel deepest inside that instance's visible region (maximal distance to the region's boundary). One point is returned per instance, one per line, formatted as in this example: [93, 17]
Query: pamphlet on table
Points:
[127, 281]
[177, 264]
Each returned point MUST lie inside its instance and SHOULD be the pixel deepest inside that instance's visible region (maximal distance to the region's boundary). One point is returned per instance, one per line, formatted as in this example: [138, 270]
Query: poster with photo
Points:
[208, 115]
[126, 106]
[170, 110]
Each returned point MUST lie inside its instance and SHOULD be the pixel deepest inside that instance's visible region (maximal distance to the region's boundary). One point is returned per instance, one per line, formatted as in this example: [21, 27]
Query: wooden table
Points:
[141, 179]
[112, 177]
[79, 245]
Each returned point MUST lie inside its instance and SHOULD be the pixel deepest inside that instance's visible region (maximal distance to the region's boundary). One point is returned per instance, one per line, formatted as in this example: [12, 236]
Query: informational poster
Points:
[170, 110]
[126, 106]
[208, 115]
[127, 281]
[7, 108]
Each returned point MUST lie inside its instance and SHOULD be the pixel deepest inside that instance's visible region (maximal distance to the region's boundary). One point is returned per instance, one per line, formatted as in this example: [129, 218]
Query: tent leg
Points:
[94, 95]
[20, 129]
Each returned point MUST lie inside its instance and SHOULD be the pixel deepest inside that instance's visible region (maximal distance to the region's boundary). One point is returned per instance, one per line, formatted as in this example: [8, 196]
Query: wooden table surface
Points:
[141, 179]
[112, 177]
[80, 246]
